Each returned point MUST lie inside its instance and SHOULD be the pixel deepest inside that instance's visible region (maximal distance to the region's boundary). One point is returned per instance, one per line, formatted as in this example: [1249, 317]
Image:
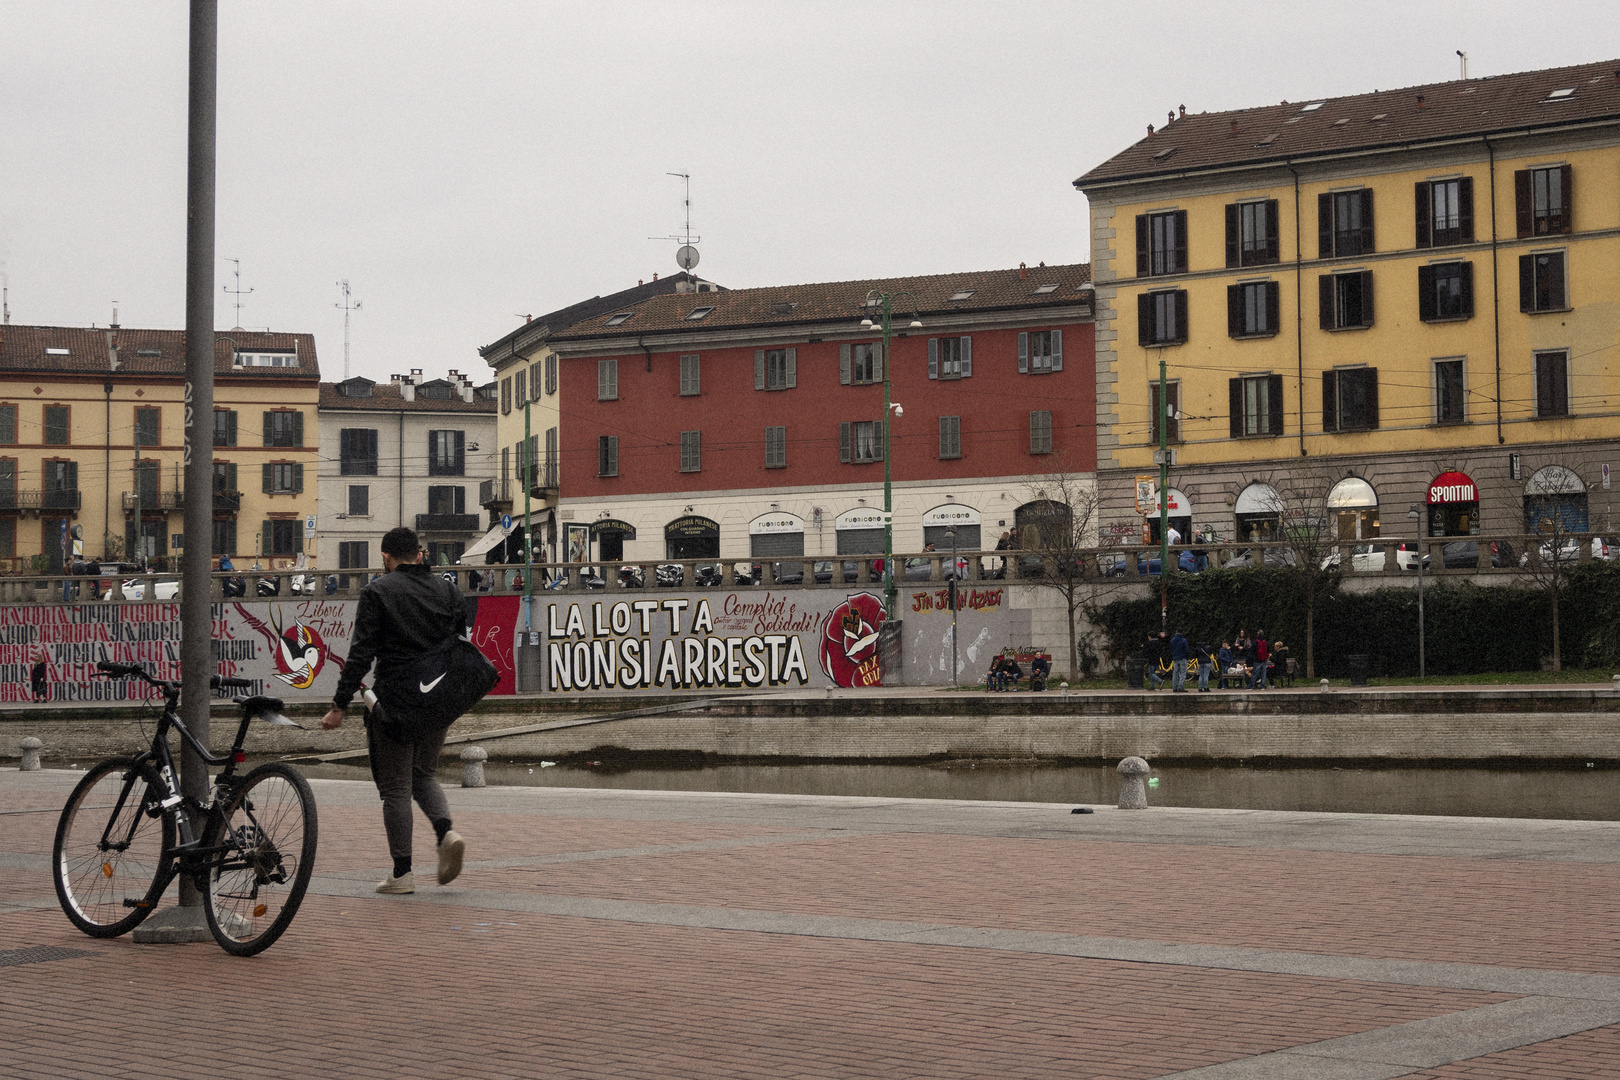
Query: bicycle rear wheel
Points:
[267, 833]
[112, 844]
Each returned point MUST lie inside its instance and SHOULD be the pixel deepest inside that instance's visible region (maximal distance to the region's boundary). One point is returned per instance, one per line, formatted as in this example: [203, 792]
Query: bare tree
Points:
[1554, 548]
[1305, 523]
[1056, 537]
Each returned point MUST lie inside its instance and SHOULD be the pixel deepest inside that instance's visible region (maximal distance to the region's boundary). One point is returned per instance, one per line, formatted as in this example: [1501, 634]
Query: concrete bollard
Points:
[1617, 683]
[1133, 789]
[472, 766]
[30, 759]
[1324, 686]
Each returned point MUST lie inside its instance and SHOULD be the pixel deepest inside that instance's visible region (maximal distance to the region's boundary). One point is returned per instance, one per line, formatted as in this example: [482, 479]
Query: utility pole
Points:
[1164, 498]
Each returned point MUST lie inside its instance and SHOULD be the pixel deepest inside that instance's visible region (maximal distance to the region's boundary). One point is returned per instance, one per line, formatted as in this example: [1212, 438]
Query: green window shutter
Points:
[269, 478]
[298, 429]
[267, 417]
[230, 428]
[268, 539]
[8, 424]
[71, 470]
[298, 478]
[230, 476]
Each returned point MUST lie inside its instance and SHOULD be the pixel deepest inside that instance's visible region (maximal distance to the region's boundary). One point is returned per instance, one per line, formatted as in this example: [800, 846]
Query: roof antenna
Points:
[1462, 56]
[238, 292]
[5, 301]
[347, 307]
[686, 256]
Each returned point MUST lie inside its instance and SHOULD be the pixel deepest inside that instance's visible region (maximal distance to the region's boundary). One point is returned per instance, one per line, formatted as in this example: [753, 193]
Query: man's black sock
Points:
[441, 827]
[402, 867]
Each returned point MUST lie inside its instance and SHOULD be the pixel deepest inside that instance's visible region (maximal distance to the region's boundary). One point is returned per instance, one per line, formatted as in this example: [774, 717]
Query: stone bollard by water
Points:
[472, 766]
[30, 748]
[1325, 686]
[1133, 789]
[1617, 683]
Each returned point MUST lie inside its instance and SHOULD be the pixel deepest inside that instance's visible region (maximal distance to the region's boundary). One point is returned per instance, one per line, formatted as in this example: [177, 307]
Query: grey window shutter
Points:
[792, 368]
[1370, 382]
[613, 379]
[1234, 400]
[877, 361]
[843, 364]
[267, 417]
[933, 358]
[601, 383]
[878, 431]
[1274, 399]
[1180, 251]
[269, 478]
[1023, 352]
[1330, 401]
[843, 441]
[298, 478]
[759, 369]
[1427, 306]
[1057, 349]
[1366, 298]
[298, 429]
[1566, 220]
[613, 455]
[967, 357]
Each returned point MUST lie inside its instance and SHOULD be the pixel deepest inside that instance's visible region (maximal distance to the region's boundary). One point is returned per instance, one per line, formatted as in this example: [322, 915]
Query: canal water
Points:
[1579, 793]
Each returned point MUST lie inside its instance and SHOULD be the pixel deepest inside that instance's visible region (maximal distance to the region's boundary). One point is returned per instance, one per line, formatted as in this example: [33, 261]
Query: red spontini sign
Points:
[1452, 487]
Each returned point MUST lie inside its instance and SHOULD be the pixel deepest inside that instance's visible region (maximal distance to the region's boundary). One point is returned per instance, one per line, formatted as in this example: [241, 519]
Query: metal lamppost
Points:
[885, 302]
[1416, 514]
[951, 592]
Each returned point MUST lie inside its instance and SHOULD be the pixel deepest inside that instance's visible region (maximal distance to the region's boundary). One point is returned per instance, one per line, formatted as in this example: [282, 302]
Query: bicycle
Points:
[127, 832]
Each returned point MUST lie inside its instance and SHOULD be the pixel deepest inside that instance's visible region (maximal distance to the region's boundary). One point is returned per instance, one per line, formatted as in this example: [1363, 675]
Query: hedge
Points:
[1468, 628]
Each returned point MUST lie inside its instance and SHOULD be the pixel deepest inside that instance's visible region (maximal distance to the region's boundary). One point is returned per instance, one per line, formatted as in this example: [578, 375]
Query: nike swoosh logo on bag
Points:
[427, 687]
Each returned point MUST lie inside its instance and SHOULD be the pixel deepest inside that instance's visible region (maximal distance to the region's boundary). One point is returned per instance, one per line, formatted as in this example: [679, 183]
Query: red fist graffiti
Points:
[849, 643]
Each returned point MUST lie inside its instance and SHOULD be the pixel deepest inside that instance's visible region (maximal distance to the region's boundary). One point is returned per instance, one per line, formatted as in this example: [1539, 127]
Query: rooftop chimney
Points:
[1234, 127]
[1022, 272]
[1150, 131]
[1183, 110]
[1420, 101]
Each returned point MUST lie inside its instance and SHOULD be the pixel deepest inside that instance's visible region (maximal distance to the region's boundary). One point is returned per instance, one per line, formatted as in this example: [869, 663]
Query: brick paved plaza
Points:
[663, 935]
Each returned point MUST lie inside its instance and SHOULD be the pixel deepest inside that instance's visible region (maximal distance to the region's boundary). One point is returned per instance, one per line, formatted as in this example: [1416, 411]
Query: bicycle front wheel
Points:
[112, 844]
[266, 840]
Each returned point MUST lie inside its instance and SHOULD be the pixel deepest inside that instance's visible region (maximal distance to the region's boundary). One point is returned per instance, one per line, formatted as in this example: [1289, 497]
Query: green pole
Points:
[527, 467]
[888, 474]
[1164, 498]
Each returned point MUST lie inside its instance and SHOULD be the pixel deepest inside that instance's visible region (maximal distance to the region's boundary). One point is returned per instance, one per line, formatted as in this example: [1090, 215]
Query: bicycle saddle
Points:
[266, 708]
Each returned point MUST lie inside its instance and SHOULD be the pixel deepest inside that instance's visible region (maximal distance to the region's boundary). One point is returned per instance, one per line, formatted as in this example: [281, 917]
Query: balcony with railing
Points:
[495, 494]
[227, 501]
[447, 523]
[35, 501]
[155, 501]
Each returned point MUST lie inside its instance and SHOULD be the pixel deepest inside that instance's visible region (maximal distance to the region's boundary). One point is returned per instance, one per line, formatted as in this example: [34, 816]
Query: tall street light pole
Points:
[1416, 513]
[885, 303]
[1164, 499]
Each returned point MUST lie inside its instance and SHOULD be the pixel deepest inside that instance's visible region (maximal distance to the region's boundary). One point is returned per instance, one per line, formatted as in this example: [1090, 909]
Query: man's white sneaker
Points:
[398, 886]
[451, 849]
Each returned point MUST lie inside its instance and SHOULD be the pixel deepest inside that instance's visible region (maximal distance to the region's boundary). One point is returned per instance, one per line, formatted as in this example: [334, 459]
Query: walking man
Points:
[401, 615]
[1179, 652]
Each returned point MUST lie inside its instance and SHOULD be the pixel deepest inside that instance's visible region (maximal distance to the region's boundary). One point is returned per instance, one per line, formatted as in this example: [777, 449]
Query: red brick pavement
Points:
[1591, 1054]
[388, 987]
[1479, 911]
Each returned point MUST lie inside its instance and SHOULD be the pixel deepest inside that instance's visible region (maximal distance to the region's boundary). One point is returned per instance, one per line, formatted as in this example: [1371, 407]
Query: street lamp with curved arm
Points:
[884, 302]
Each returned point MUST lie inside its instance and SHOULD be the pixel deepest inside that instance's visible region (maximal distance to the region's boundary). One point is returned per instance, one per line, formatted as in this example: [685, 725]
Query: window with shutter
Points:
[691, 384]
[1450, 400]
[1445, 291]
[1251, 233]
[1543, 200]
[359, 500]
[1162, 317]
[1166, 243]
[149, 427]
[1346, 225]
[691, 451]
[1347, 300]
[551, 465]
[224, 427]
[1552, 384]
[1040, 432]
[1445, 212]
[1350, 399]
[776, 447]
[57, 425]
[520, 387]
[551, 374]
[506, 396]
[860, 363]
[775, 369]
[607, 380]
[1541, 282]
[865, 441]
[607, 455]
[8, 425]
[1251, 309]
[950, 436]
[1041, 354]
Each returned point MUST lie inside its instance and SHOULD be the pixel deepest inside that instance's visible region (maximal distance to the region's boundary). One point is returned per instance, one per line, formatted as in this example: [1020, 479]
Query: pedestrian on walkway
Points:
[1262, 658]
[403, 614]
[1224, 661]
[1157, 651]
[38, 659]
[1206, 661]
[1180, 650]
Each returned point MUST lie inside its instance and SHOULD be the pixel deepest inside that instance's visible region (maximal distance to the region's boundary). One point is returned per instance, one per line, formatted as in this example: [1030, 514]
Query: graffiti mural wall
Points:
[986, 623]
[292, 649]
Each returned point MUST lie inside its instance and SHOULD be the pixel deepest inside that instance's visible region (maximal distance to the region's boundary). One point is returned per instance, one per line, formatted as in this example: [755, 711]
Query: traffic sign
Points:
[309, 526]
[506, 522]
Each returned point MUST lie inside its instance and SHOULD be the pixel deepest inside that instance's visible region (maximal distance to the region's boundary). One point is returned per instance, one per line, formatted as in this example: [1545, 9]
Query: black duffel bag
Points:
[432, 693]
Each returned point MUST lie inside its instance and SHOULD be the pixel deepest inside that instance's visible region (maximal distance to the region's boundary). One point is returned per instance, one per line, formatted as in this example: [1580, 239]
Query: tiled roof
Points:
[1384, 118]
[22, 348]
[792, 305]
[562, 318]
[386, 397]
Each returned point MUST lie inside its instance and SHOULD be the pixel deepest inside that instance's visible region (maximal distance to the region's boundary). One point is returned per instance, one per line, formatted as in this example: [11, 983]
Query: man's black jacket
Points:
[401, 615]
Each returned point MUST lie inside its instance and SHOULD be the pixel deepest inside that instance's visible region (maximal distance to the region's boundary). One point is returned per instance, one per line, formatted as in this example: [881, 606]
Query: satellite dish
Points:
[686, 257]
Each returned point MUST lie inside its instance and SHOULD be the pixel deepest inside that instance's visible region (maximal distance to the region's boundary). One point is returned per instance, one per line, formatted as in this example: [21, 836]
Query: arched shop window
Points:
[1180, 517]
[942, 519]
[1042, 524]
[1453, 502]
[1259, 513]
[776, 535]
[859, 531]
[1354, 506]
[1555, 500]
[610, 535]
[692, 537]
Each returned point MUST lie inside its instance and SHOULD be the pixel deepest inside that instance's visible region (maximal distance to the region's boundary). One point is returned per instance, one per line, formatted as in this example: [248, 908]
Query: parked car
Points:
[1464, 554]
[788, 573]
[921, 569]
[823, 571]
[1273, 557]
[1370, 558]
[136, 590]
[1569, 550]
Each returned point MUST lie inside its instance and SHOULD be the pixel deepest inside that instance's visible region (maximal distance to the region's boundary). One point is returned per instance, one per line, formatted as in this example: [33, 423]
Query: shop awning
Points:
[486, 543]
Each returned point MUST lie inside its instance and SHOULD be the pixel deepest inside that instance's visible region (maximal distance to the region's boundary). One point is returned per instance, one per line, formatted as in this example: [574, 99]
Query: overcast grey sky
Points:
[463, 164]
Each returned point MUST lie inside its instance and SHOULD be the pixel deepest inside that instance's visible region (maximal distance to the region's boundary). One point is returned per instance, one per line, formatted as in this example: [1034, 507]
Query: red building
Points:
[749, 422]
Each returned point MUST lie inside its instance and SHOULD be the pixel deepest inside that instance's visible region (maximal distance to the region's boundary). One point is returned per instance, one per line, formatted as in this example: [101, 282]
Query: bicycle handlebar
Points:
[124, 671]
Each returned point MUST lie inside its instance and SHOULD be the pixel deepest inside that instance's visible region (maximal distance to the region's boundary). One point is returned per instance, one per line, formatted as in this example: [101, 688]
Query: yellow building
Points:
[527, 425]
[1409, 295]
[92, 442]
